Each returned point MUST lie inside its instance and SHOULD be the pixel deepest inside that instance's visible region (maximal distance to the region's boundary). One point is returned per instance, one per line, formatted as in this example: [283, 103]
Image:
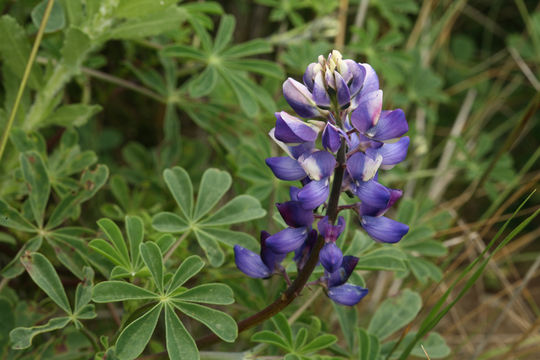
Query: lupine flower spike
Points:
[339, 100]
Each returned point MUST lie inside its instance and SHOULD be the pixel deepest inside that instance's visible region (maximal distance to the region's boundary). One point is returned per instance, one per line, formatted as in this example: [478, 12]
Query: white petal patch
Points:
[311, 168]
[371, 166]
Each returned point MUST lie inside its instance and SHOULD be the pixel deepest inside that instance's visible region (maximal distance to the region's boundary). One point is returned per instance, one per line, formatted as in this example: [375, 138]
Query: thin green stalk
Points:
[26, 75]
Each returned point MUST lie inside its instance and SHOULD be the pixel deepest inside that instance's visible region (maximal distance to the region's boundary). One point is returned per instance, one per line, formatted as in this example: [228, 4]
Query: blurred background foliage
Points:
[123, 89]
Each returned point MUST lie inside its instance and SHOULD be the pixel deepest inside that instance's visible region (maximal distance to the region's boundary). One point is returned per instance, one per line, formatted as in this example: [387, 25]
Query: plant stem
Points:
[26, 75]
[303, 276]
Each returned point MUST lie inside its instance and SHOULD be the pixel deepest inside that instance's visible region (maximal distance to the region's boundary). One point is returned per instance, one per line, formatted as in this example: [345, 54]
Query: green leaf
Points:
[427, 248]
[231, 238]
[218, 322]
[263, 67]
[435, 346]
[15, 50]
[189, 268]
[37, 181]
[242, 91]
[253, 47]
[7, 321]
[115, 236]
[184, 51]
[140, 8]
[44, 275]
[214, 184]
[74, 11]
[217, 294]
[136, 335]
[151, 255]
[204, 83]
[10, 218]
[14, 267]
[369, 345]
[280, 322]
[120, 190]
[179, 184]
[135, 234]
[301, 338]
[149, 25]
[106, 249]
[224, 33]
[110, 291]
[348, 318]
[319, 343]
[71, 115]
[57, 19]
[91, 181]
[270, 337]
[424, 269]
[382, 259]
[169, 222]
[394, 313]
[21, 337]
[180, 344]
[240, 209]
[76, 46]
[83, 293]
[211, 248]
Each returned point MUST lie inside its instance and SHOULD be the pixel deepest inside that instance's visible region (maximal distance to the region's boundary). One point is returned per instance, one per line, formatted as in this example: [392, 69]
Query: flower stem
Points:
[303, 276]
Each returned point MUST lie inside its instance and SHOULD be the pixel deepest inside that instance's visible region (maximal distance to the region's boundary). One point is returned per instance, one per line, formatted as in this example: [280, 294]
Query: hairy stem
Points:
[303, 276]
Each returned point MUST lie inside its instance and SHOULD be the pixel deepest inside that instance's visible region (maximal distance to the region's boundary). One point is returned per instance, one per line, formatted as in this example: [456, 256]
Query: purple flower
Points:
[383, 229]
[331, 232]
[290, 129]
[258, 266]
[338, 290]
[300, 99]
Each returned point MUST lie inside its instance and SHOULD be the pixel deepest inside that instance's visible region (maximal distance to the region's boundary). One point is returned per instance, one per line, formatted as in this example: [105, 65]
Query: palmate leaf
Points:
[44, 275]
[180, 344]
[218, 322]
[37, 180]
[136, 335]
[189, 268]
[394, 313]
[151, 255]
[21, 337]
[111, 291]
[369, 345]
[205, 225]
[216, 294]
[224, 62]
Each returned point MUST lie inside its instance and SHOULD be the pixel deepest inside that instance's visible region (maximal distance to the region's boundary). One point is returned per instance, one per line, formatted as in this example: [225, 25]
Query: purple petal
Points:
[347, 294]
[371, 80]
[301, 255]
[309, 75]
[293, 193]
[384, 229]
[287, 240]
[392, 153]
[250, 263]
[391, 124]
[290, 129]
[318, 165]
[286, 168]
[368, 210]
[270, 258]
[358, 73]
[321, 97]
[314, 194]
[329, 231]
[372, 193]
[300, 99]
[362, 167]
[330, 138]
[331, 257]
[342, 90]
[368, 111]
[294, 214]
[299, 150]
[342, 274]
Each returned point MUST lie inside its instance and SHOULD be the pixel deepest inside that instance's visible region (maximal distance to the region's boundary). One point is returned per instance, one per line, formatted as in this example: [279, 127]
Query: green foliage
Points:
[110, 166]
[169, 295]
[301, 345]
[207, 227]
